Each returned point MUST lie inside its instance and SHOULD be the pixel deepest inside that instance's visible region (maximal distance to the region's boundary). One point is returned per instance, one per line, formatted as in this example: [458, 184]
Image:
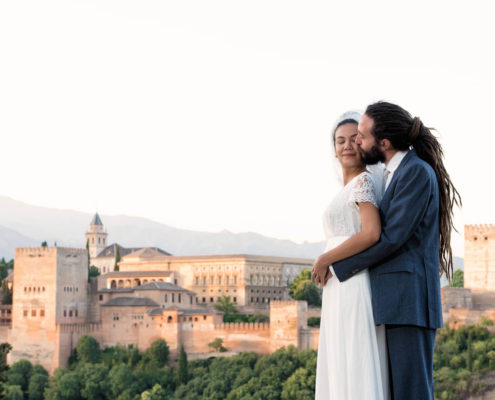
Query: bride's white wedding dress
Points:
[352, 354]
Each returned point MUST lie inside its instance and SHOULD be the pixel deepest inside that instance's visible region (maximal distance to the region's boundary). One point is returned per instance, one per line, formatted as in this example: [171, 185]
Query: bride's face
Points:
[346, 149]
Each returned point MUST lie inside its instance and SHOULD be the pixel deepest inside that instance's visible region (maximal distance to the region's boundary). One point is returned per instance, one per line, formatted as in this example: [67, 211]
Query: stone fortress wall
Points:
[151, 297]
[476, 300]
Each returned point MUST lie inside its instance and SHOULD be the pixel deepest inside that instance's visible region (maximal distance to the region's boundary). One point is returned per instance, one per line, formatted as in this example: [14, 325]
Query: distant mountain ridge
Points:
[24, 225]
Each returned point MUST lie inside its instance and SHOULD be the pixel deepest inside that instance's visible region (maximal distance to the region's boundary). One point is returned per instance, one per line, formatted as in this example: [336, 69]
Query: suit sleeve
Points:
[406, 210]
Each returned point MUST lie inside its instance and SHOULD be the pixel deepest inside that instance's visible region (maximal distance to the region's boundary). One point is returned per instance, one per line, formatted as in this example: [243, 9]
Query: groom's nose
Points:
[358, 140]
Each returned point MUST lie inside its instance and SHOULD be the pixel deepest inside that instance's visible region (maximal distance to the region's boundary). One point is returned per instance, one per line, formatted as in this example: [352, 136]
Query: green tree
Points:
[6, 293]
[37, 384]
[88, 349]
[13, 392]
[94, 381]
[307, 290]
[93, 271]
[304, 275]
[217, 345]
[117, 258]
[119, 379]
[156, 393]
[19, 374]
[300, 385]
[44, 243]
[4, 367]
[457, 279]
[182, 375]
[225, 305]
[156, 356]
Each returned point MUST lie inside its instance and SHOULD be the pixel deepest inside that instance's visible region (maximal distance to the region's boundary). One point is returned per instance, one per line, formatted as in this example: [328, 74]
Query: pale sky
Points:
[211, 115]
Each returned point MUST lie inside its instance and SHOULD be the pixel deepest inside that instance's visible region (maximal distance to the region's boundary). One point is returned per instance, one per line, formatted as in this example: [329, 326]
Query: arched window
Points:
[169, 319]
[113, 284]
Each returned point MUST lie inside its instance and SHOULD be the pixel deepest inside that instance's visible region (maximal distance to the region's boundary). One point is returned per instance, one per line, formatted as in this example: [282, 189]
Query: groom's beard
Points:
[372, 156]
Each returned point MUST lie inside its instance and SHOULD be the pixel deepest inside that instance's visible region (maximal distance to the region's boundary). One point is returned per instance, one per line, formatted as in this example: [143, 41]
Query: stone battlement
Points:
[478, 229]
[46, 250]
[283, 303]
[243, 326]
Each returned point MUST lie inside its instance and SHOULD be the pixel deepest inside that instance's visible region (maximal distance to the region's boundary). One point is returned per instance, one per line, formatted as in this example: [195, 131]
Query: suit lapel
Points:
[387, 196]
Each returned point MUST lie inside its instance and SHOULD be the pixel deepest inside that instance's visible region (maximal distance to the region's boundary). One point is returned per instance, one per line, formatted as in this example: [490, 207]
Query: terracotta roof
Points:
[161, 286]
[201, 311]
[130, 302]
[236, 257]
[148, 252]
[124, 274]
[111, 251]
[116, 290]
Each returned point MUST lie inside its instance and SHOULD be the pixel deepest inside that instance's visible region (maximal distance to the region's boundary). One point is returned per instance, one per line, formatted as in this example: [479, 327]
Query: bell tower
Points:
[96, 237]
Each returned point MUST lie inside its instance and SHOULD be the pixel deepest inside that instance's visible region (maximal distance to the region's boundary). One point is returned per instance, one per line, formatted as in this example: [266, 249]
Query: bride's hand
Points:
[320, 272]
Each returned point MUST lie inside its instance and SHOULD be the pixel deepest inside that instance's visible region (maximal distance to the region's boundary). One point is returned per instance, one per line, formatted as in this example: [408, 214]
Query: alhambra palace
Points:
[158, 295]
[152, 295]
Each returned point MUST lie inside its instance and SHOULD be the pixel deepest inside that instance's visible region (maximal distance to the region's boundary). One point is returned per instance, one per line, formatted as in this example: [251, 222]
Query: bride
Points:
[352, 355]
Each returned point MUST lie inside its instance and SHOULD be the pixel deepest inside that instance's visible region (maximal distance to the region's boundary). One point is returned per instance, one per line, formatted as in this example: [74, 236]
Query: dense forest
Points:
[462, 357]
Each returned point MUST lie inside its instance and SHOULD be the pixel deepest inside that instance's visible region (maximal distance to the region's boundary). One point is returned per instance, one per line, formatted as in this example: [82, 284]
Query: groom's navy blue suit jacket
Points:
[404, 263]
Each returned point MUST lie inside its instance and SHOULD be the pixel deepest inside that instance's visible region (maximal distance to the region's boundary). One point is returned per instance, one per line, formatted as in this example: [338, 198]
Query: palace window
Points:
[211, 299]
[179, 298]
[227, 279]
[204, 280]
[25, 313]
[219, 280]
[252, 299]
[196, 319]
[235, 299]
[173, 297]
[70, 313]
[65, 313]
[75, 313]
[101, 297]
[235, 279]
[42, 313]
[191, 299]
[166, 298]
[211, 280]
[197, 280]
[204, 299]
[169, 319]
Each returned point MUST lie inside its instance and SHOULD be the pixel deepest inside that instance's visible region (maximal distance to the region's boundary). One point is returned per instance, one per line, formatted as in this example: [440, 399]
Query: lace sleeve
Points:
[363, 190]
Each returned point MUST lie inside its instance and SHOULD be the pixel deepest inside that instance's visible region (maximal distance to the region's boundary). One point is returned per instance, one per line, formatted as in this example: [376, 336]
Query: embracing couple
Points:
[388, 241]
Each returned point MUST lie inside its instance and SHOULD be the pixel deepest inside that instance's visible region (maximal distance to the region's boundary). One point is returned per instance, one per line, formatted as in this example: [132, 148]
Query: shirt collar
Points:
[395, 161]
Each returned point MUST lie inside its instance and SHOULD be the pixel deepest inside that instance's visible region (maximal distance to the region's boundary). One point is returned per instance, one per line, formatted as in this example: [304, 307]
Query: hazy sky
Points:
[213, 115]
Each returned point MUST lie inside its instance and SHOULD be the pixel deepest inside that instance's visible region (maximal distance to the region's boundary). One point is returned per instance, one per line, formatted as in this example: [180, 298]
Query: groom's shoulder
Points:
[417, 165]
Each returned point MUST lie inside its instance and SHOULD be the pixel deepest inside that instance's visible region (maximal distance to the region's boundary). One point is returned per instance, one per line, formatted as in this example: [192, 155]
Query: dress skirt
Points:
[352, 353]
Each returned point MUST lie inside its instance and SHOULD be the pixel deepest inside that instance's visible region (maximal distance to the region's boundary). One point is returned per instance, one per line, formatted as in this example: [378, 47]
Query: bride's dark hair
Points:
[392, 122]
[345, 121]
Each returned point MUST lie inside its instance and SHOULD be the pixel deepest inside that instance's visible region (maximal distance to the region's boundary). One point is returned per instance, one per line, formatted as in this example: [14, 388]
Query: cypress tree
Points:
[182, 374]
[117, 258]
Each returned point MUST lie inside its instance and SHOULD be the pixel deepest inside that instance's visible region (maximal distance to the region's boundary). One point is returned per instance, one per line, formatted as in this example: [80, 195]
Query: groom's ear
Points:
[385, 145]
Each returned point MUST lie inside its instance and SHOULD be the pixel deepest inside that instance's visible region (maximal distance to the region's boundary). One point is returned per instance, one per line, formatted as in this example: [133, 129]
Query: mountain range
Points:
[24, 225]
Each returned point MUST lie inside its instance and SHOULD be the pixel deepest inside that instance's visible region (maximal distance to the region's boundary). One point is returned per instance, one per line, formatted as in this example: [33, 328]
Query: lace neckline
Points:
[358, 175]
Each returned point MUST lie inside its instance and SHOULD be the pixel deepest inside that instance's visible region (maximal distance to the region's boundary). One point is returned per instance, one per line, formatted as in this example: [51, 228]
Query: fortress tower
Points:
[50, 289]
[96, 237]
[479, 257]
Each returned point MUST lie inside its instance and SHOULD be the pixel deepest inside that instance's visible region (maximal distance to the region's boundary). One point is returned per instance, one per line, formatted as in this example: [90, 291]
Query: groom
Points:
[404, 266]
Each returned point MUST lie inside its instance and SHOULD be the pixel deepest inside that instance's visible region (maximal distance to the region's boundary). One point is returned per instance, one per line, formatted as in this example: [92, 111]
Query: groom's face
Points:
[371, 153]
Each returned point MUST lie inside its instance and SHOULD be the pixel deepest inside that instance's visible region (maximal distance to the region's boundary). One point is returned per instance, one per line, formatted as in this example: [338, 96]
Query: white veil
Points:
[375, 170]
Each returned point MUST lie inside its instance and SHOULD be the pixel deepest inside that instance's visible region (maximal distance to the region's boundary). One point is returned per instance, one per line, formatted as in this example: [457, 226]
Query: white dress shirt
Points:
[393, 164]
[390, 168]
